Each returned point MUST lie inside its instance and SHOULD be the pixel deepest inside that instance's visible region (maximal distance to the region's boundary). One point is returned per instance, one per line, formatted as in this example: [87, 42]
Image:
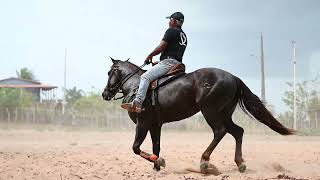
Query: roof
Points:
[21, 79]
[29, 84]
[40, 86]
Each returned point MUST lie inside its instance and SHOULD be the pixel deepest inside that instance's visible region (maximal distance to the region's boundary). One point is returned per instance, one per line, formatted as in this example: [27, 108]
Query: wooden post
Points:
[40, 95]
[97, 121]
[8, 120]
[16, 115]
[316, 118]
[34, 115]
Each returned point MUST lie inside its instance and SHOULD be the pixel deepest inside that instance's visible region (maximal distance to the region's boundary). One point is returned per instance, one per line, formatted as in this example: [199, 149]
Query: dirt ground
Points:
[28, 154]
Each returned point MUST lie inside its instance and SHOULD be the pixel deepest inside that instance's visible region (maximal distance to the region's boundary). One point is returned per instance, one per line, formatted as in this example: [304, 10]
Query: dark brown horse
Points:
[212, 91]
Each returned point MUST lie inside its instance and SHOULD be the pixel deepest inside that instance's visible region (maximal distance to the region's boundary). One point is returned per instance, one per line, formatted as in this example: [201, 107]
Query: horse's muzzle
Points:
[106, 96]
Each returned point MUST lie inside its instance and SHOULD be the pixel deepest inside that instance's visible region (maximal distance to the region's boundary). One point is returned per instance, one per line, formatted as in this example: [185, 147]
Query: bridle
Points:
[123, 80]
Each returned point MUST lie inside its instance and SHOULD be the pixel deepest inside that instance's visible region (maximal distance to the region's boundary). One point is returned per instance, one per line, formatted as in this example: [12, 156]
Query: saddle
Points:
[175, 72]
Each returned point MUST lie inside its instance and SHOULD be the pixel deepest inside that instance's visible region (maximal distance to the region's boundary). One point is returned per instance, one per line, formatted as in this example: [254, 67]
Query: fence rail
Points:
[117, 119]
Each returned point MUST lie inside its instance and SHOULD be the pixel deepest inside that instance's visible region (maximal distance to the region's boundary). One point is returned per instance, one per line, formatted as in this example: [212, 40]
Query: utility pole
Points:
[65, 82]
[263, 90]
[294, 87]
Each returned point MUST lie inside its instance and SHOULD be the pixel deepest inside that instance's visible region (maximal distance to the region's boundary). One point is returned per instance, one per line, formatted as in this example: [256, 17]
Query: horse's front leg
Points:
[141, 133]
[155, 132]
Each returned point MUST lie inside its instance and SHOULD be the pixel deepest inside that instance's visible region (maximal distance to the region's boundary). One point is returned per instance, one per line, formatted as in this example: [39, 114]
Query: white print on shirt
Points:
[183, 39]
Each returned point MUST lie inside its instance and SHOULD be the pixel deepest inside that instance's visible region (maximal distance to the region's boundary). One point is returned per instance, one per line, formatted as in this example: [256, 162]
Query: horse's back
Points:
[213, 75]
[184, 96]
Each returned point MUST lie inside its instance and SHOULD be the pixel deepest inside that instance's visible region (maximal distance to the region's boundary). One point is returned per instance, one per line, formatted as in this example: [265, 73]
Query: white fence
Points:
[117, 119]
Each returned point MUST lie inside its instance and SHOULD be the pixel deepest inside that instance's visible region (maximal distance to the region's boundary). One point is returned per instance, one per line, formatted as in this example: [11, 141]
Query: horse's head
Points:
[116, 73]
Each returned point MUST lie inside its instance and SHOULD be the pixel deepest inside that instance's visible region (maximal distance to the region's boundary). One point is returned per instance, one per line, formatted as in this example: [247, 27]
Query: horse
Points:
[214, 92]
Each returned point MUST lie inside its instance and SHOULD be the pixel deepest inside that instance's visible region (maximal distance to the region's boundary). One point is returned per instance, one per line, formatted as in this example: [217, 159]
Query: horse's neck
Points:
[132, 84]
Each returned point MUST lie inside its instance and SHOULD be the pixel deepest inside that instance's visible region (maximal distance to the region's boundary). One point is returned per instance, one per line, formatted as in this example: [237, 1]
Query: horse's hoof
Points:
[156, 167]
[204, 167]
[242, 168]
[160, 162]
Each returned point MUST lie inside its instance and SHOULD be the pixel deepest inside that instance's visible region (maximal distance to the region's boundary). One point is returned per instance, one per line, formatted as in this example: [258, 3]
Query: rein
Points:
[124, 80]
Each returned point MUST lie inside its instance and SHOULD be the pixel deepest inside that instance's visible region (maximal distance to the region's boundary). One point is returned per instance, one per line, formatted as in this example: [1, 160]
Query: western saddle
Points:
[175, 72]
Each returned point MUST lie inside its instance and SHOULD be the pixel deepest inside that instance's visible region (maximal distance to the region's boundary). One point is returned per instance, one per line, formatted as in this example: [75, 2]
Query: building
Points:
[40, 91]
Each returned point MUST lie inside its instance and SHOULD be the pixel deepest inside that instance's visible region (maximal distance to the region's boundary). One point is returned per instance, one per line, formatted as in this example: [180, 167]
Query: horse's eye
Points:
[109, 73]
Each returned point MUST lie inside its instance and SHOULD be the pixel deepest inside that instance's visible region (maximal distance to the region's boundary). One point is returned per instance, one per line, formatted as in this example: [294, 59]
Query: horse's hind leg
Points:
[237, 132]
[218, 135]
[219, 130]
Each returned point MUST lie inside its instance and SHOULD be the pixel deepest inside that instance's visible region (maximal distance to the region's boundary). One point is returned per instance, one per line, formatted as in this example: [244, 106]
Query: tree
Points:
[93, 103]
[25, 73]
[14, 98]
[74, 94]
[307, 97]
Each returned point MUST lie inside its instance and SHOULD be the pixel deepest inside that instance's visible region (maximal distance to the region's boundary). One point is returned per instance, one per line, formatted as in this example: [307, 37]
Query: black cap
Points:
[177, 15]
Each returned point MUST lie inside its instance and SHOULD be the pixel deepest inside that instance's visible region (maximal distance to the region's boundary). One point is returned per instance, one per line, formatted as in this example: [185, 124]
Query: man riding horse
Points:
[213, 92]
[172, 48]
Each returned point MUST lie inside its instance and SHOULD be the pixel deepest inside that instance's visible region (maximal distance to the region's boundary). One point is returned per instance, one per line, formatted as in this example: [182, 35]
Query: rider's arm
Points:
[167, 38]
[162, 46]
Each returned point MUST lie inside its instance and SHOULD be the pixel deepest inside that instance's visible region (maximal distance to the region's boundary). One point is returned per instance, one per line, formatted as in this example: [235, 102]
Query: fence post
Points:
[96, 122]
[8, 120]
[106, 119]
[1, 115]
[16, 115]
[34, 116]
[316, 118]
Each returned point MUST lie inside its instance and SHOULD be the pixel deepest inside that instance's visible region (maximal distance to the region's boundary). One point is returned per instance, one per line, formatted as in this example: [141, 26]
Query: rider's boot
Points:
[134, 106]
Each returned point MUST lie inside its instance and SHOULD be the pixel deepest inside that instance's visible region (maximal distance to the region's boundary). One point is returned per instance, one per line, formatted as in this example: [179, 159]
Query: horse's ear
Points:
[127, 60]
[113, 60]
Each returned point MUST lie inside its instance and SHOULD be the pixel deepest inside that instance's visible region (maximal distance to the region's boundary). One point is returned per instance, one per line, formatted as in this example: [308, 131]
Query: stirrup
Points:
[131, 107]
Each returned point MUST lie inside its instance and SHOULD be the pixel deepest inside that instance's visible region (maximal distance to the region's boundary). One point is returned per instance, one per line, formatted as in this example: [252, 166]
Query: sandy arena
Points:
[28, 154]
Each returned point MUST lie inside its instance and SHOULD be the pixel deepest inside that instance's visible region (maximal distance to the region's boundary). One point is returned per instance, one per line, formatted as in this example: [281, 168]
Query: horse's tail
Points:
[253, 106]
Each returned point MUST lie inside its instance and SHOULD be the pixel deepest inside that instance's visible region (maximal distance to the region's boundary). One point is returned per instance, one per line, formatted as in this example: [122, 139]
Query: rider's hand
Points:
[148, 60]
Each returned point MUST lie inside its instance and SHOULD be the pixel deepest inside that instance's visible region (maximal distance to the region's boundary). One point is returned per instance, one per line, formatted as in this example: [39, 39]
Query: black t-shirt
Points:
[177, 43]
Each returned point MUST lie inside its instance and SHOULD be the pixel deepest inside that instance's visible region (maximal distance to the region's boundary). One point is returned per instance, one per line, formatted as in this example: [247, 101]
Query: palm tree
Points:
[25, 73]
[74, 94]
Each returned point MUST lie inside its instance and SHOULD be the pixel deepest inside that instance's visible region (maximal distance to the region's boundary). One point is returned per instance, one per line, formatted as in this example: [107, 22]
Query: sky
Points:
[221, 34]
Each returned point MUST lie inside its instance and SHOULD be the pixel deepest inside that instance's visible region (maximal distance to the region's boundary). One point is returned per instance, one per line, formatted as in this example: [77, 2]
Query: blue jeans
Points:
[156, 71]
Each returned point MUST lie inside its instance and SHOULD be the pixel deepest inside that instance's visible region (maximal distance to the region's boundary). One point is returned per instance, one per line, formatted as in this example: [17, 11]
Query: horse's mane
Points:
[133, 66]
